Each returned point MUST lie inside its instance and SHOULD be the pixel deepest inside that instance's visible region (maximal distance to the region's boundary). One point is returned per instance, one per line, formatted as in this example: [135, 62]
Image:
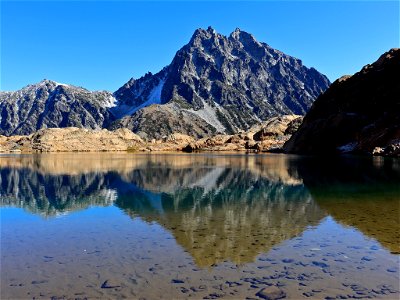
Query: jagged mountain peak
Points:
[241, 35]
[229, 82]
[200, 36]
[49, 83]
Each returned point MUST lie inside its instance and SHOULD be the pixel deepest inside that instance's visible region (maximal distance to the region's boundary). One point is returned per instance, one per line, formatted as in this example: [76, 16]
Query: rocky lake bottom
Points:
[201, 226]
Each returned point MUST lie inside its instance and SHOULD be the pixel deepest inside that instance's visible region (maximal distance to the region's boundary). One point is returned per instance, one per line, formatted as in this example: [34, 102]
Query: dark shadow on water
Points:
[362, 192]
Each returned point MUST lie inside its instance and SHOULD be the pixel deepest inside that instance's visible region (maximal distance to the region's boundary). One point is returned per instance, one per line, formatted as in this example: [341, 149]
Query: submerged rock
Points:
[271, 293]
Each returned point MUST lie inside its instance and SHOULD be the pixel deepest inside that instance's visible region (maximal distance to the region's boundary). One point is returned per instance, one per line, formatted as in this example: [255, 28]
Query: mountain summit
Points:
[227, 83]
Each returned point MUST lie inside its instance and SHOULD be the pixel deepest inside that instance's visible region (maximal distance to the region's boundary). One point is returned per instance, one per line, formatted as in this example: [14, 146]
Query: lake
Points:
[202, 226]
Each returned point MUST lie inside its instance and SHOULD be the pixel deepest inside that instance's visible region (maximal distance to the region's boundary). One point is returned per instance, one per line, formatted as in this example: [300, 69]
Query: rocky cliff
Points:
[359, 113]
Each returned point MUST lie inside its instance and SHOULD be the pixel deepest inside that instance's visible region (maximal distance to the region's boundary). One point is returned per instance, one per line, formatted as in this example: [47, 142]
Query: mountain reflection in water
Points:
[218, 207]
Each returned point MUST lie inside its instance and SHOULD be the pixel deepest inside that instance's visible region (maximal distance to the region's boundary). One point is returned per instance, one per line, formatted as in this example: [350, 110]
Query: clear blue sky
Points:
[101, 45]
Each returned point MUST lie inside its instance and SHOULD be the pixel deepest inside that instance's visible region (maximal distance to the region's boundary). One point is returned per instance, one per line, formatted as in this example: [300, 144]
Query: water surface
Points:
[199, 226]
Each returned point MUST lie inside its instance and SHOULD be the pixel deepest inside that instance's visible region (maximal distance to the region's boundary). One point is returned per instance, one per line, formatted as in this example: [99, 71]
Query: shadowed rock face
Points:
[49, 104]
[357, 113]
[230, 83]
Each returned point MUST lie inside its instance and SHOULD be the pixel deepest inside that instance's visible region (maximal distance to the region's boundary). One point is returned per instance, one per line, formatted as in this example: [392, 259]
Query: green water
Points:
[198, 226]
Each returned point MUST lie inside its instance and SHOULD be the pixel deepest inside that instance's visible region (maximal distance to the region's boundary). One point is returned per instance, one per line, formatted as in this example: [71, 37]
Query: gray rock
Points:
[271, 293]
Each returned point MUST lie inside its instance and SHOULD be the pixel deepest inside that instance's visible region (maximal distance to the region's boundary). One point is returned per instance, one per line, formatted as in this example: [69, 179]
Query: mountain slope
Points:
[50, 104]
[229, 82]
[356, 114]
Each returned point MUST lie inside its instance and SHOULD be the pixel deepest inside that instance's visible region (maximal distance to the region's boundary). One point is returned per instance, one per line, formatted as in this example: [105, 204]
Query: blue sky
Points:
[101, 45]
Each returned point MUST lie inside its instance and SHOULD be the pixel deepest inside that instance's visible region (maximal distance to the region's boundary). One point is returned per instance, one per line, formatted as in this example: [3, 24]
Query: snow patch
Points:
[208, 114]
[110, 102]
[347, 147]
[58, 83]
[209, 181]
[154, 98]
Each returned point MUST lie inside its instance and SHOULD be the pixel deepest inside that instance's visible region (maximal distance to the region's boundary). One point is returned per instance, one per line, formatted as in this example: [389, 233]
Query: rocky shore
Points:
[266, 136]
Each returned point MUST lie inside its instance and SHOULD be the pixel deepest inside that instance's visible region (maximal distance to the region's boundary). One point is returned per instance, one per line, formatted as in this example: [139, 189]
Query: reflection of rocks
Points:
[358, 192]
[273, 167]
[236, 219]
[217, 207]
[52, 195]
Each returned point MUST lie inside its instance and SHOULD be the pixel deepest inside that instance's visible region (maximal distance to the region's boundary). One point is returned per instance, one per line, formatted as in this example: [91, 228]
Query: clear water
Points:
[198, 226]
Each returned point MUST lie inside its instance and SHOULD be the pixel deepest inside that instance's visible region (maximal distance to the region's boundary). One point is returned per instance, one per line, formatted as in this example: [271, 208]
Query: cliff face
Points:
[356, 114]
[223, 84]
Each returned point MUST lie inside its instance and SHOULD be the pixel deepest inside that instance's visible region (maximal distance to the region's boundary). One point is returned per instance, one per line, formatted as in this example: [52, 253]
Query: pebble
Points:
[392, 270]
[109, 285]
[232, 283]
[320, 264]
[367, 258]
[177, 281]
[184, 290]
[271, 293]
[39, 281]
[213, 296]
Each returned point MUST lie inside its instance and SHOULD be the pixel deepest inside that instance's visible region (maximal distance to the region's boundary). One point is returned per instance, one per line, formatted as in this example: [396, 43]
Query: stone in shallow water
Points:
[39, 281]
[367, 258]
[392, 270]
[109, 285]
[320, 264]
[177, 281]
[271, 293]
[232, 283]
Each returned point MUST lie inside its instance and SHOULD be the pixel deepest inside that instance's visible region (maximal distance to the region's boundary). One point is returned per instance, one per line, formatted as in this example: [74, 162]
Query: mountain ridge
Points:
[214, 84]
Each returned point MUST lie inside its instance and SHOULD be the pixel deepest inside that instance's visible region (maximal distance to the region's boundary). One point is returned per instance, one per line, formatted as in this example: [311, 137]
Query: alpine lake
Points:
[200, 226]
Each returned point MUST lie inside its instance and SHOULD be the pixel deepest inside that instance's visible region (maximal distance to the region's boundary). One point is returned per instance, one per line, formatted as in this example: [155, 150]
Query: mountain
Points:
[225, 84]
[214, 84]
[356, 114]
[50, 104]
